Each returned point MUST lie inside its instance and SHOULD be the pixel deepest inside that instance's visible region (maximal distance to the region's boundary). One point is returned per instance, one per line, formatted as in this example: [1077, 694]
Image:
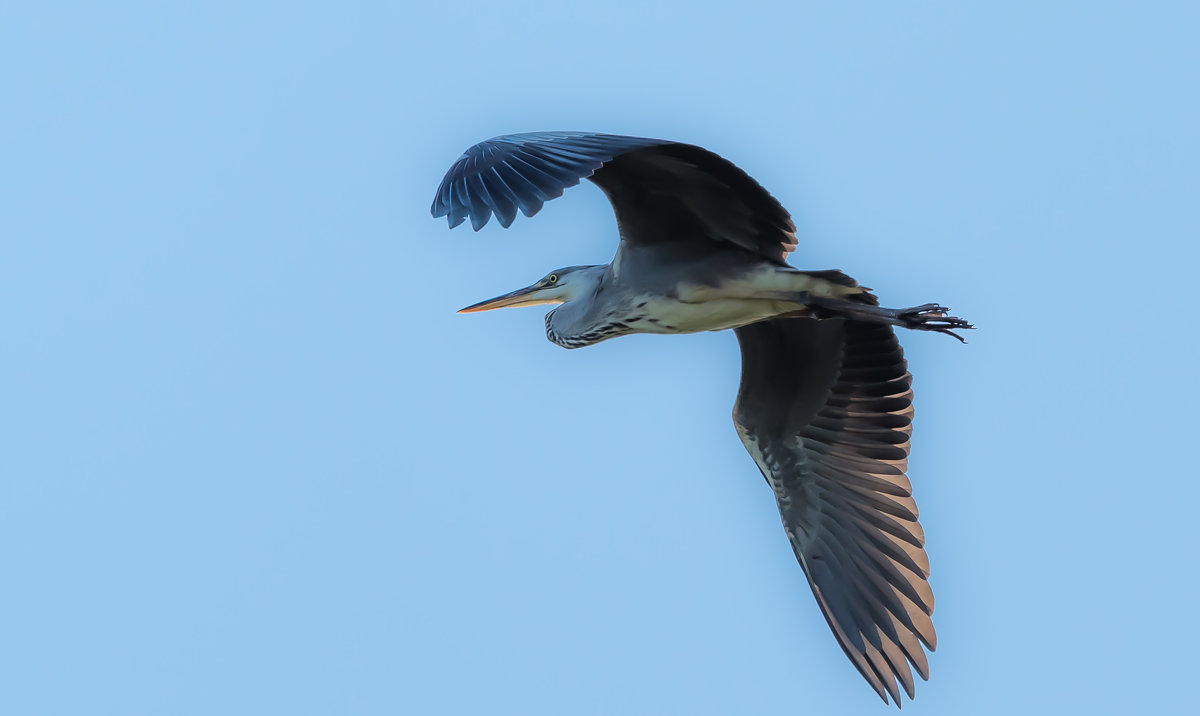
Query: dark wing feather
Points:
[680, 191]
[523, 170]
[660, 190]
[825, 409]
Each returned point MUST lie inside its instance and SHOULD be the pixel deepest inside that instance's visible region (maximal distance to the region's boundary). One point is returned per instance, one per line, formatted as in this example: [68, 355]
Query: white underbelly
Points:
[666, 315]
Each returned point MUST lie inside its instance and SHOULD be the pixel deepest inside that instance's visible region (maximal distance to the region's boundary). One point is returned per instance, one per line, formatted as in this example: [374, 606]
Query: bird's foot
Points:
[931, 317]
[926, 317]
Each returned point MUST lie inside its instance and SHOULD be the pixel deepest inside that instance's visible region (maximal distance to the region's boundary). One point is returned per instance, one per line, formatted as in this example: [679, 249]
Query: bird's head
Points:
[561, 286]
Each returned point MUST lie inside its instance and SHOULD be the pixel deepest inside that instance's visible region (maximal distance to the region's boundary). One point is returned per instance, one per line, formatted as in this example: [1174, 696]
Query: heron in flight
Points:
[825, 401]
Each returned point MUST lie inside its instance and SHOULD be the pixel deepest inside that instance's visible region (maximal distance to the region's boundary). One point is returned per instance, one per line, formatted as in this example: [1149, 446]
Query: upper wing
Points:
[659, 190]
[825, 409]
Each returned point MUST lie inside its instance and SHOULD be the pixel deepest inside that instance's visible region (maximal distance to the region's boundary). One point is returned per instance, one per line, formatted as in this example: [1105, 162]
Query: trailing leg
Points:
[926, 317]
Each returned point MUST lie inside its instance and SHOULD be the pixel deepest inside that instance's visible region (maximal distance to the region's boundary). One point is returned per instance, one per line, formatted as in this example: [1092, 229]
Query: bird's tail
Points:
[833, 283]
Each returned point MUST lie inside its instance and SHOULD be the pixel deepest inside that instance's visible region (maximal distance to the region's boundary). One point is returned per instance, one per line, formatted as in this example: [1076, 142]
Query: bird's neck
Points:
[587, 316]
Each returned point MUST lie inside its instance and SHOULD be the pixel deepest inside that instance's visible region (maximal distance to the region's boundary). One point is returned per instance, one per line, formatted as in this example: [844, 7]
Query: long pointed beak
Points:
[521, 297]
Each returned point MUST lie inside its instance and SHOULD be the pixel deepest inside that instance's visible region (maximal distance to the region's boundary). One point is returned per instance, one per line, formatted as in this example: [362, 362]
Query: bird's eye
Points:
[552, 278]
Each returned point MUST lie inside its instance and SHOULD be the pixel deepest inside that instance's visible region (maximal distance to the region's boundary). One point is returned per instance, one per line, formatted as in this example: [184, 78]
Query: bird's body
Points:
[665, 290]
[824, 406]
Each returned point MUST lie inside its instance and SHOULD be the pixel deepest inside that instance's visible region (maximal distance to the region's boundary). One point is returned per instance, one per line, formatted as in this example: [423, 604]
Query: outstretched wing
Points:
[660, 190]
[825, 409]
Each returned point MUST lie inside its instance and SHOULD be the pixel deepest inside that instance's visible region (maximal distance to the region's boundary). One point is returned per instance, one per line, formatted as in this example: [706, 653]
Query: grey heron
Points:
[825, 401]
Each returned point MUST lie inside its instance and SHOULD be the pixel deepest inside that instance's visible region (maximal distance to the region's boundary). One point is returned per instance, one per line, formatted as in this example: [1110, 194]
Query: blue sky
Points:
[254, 463]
